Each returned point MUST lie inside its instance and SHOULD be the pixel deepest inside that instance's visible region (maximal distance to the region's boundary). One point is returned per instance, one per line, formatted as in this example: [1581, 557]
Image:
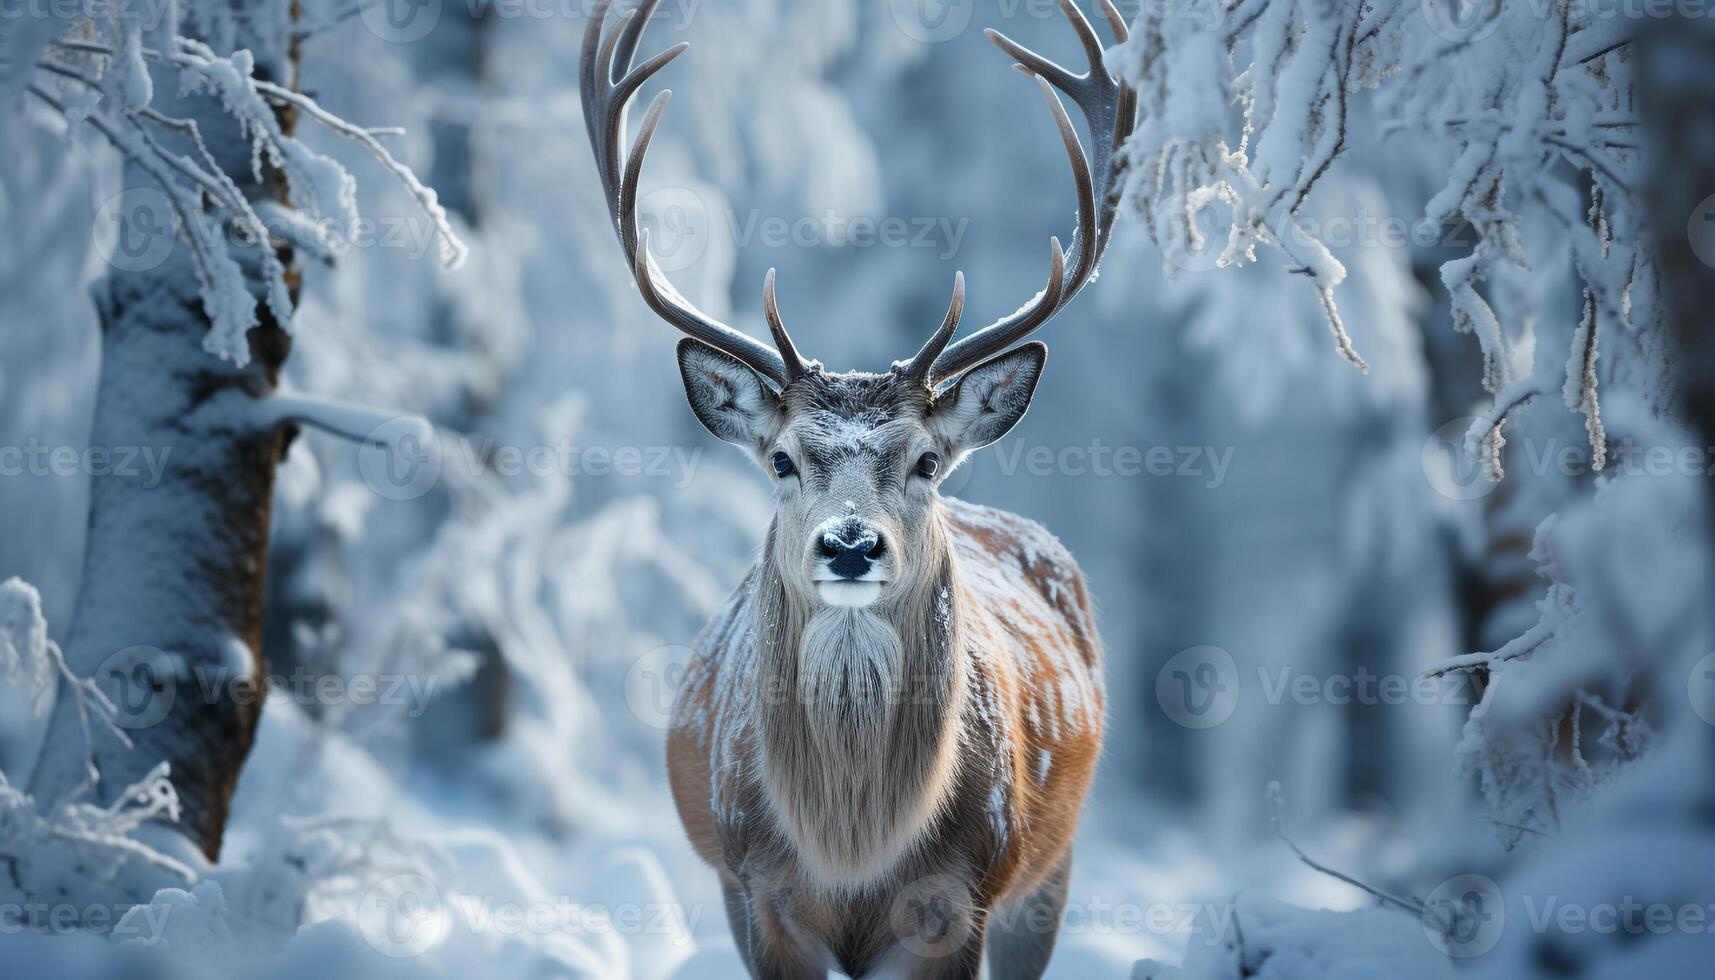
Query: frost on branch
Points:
[24, 645]
[1571, 701]
[104, 73]
[70, 834]
[27, 654]
[1248, 104]
[76, 839]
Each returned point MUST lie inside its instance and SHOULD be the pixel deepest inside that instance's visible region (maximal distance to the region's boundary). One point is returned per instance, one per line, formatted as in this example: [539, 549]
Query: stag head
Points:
[857, 456]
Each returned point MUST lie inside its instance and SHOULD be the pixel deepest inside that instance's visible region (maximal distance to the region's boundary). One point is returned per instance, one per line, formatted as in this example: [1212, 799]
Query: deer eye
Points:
[928, 466]
[783, 467]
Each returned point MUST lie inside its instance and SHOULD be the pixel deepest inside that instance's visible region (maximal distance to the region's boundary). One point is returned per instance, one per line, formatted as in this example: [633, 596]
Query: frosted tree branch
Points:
[1519, 646]
[1277, 819]
[1246, 112]
[357, 423]
[206, 203]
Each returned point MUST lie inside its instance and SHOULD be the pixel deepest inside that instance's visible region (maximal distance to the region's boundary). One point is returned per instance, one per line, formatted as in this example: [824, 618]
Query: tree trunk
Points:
[168, 617]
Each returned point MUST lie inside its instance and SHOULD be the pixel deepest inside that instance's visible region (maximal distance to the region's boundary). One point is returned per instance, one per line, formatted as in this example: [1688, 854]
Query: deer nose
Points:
[851, 548]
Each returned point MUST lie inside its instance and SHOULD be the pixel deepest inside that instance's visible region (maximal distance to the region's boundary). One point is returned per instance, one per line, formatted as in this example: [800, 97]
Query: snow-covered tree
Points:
[1527, 123]
[219, 203]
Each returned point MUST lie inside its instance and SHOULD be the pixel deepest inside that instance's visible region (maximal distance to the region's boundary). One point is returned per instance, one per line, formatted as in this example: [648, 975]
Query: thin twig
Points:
[1276, 804]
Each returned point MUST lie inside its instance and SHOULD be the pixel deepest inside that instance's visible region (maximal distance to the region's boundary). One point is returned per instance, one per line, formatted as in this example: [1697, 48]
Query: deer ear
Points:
[988, 400]
[727, 396]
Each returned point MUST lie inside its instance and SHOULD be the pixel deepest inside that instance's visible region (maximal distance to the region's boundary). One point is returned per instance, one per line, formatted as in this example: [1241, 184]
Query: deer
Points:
[882, 741]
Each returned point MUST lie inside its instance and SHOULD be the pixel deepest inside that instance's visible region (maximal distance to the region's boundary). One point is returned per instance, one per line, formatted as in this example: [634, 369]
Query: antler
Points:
[1109, 106]
[607, 83]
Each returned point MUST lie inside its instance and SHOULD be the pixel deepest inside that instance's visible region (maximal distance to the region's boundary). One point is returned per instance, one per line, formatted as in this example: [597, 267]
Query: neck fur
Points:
[859, 718]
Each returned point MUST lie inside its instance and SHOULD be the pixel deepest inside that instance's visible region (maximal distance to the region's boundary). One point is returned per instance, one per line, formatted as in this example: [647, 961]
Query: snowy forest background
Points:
[1371, 255]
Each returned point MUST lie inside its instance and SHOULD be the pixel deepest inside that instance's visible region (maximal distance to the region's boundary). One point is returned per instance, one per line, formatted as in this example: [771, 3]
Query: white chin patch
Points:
[855, 594]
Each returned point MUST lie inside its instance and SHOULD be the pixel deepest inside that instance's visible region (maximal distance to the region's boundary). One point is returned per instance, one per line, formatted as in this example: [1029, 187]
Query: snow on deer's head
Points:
[856, 457]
